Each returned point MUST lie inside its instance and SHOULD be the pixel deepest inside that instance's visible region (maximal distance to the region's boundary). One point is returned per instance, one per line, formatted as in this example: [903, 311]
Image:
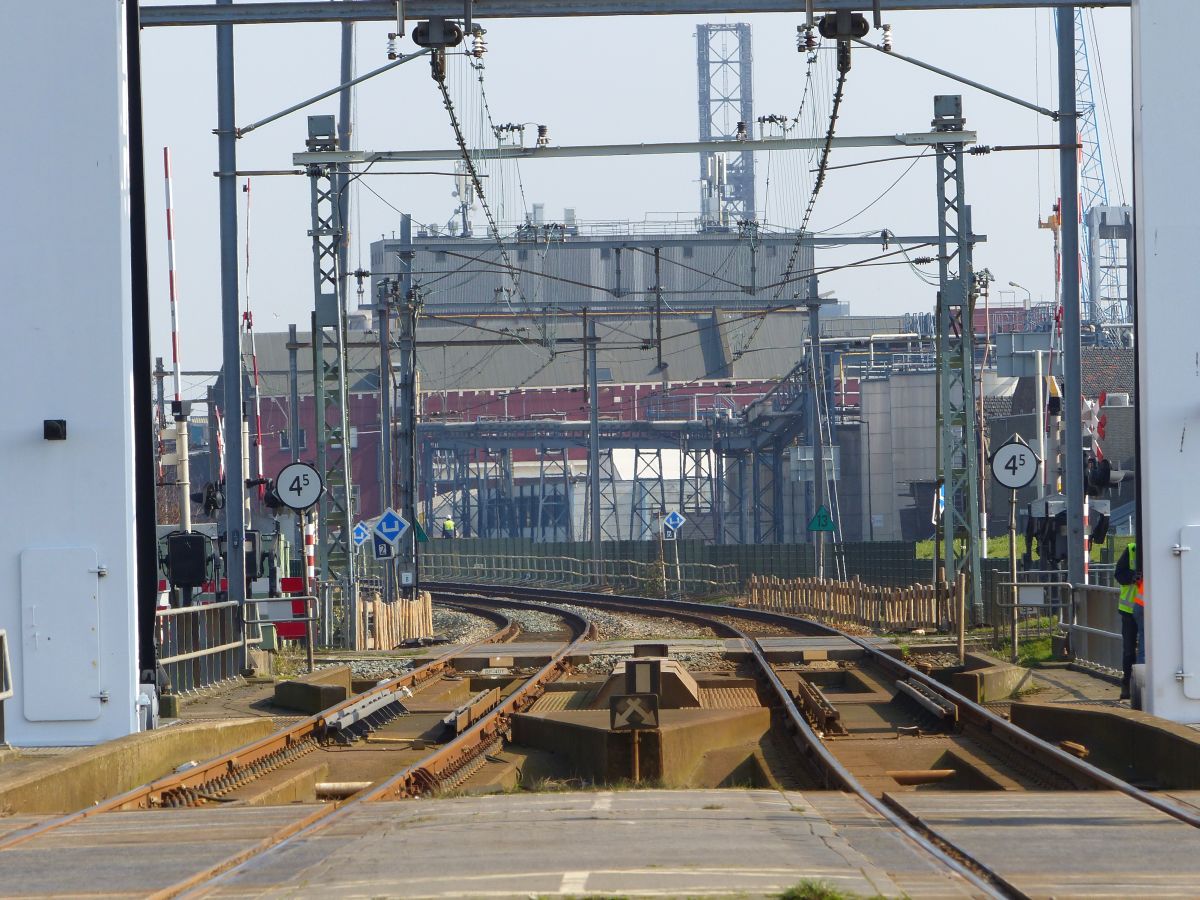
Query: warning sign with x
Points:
[631, 712]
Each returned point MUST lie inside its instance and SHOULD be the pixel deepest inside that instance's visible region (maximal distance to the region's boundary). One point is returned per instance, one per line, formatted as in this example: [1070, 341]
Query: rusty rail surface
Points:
[444, 765]
[252, 760]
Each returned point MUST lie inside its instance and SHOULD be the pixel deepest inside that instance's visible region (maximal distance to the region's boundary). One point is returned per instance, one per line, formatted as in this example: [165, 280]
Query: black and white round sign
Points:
[1015, 465]
[299, 485]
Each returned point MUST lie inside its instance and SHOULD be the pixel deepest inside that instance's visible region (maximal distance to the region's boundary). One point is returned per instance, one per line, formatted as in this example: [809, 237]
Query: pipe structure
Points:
[593, 386]
[1072, 417]
[235, 477]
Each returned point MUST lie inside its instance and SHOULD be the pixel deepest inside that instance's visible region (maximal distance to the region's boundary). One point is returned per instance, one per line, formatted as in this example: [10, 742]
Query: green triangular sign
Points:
[422, 537]
[821, 520]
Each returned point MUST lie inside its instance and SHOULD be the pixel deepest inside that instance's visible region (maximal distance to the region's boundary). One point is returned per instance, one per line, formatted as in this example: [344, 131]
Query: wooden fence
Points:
[384, 626]
[879, 608]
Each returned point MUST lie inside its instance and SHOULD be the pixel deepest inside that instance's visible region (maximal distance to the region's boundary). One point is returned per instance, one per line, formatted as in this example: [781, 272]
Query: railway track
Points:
[1043, 764]
[210, 781]
[799, 700]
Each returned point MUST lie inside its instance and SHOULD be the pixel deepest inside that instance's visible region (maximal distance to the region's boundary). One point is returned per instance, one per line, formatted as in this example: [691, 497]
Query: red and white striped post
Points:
[248, 320]
[182, 473]
[310, 552]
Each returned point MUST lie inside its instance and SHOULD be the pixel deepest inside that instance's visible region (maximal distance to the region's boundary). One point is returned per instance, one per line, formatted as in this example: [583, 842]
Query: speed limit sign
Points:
[1015, 465]
[299, 485]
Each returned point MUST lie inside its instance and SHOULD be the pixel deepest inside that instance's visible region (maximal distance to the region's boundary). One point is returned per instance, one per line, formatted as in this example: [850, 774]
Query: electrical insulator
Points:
[391, 45]
[543, 137]
[887, 38]
[806, 39]
[741, 131]
[478, 43]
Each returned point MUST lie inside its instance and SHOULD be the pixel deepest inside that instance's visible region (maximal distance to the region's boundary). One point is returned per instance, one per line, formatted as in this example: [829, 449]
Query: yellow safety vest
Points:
[1131, 594]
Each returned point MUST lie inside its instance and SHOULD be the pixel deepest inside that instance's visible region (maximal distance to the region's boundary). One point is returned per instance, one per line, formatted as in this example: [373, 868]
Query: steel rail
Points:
[832, 772]
[968, 711]
[420, 778]
[254, 754]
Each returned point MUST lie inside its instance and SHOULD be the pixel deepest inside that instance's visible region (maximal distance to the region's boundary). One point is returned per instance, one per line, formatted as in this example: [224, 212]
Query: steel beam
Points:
[362, 157]
[1068, 130]
[231, 323]
[385, 10]
[648, 242]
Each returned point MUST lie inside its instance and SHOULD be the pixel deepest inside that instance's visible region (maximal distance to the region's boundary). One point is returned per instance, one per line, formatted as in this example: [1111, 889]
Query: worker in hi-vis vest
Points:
[447, 527]
[1132, 606]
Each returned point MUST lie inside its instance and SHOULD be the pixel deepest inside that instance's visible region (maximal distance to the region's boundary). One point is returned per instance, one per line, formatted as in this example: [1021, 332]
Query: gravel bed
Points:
[936, 660]
[758, 629]
[534, 622]
[623, 626]
[693, 660]
[379, 669]
[460, 627]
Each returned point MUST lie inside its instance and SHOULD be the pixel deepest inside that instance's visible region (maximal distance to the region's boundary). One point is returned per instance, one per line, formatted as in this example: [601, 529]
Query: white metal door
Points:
[60, 634]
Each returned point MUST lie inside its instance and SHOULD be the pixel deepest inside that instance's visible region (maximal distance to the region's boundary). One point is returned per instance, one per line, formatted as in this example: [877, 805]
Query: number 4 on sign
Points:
[1015, 465]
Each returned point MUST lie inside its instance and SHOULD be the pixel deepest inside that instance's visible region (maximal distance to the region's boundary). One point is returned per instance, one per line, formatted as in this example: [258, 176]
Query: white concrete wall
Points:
[1166, 70]
[69, 350]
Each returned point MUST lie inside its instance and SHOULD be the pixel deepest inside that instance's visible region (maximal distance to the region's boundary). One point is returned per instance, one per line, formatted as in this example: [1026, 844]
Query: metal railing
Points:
[653, 578]
[199, 646]
[1095, 627]
[1086, 613]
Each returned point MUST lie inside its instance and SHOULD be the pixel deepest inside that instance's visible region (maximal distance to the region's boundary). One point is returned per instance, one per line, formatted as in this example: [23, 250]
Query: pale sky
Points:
[616, 80]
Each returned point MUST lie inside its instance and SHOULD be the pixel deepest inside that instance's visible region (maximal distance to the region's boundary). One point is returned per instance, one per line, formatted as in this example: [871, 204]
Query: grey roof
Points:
[717, 346]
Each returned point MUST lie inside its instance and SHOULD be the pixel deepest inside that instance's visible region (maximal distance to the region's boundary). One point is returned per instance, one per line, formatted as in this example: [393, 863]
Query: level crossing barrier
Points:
[200, 646]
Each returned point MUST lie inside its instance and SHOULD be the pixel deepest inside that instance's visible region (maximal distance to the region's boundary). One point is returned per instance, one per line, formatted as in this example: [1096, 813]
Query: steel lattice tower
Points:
[1104, 296]
[724, 63]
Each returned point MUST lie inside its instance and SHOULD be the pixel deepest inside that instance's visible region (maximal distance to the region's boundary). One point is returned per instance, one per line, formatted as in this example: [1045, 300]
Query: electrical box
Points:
[187, 560]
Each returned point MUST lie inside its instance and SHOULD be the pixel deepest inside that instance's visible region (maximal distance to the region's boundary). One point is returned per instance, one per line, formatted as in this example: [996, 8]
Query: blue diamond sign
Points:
[674, 520]
[390, 526]
[361, 534]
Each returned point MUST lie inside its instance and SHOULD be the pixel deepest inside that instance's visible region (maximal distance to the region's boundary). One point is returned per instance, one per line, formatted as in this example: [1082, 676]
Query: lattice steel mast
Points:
[958, 460]
[726, 111]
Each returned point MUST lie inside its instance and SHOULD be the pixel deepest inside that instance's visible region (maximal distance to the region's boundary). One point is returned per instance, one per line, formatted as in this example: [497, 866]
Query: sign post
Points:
[1014, 466]
[386, 536]
[819, 525]
[299, 486]
[672, 522]
[633, 713]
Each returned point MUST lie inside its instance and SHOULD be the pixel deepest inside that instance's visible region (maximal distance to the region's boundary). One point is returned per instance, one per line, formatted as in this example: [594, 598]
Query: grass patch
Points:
[1030, 654]
[810, 889]
[290, 661]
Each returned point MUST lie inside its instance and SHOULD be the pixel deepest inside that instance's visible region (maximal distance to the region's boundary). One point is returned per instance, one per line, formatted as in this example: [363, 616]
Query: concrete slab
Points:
[1131, 744]
[135, 853]
[63, 783]
[676, 843]
[1076, 844]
